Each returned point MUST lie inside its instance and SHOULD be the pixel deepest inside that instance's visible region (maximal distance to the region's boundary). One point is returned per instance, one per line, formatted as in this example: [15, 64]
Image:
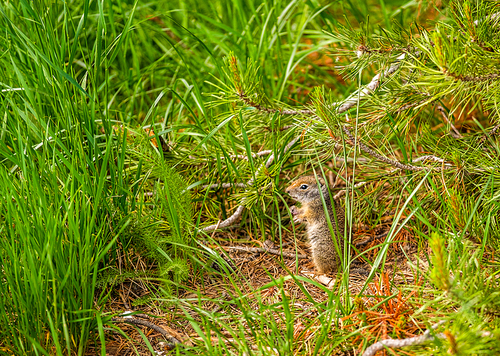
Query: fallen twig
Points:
[398, 343]
[373, 238]
[172, 341]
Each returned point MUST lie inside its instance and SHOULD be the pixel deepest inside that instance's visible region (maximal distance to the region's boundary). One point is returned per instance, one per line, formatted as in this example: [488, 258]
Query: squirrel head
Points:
[305, 189]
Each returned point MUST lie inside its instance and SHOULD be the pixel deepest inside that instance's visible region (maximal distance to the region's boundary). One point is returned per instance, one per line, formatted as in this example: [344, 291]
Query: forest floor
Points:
[256, 271]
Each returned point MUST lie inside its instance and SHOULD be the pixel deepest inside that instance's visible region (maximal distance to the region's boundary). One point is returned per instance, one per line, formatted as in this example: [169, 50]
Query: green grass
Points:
[104, 103]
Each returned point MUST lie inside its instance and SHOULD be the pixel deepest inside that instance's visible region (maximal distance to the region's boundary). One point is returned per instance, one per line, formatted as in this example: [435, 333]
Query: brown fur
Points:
[312, 213]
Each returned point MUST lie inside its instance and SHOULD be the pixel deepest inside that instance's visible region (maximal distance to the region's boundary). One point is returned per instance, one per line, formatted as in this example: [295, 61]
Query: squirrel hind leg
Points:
[326, 265]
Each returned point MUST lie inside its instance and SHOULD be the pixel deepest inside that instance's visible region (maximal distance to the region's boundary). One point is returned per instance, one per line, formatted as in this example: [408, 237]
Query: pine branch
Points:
[370, 87]
[268, 110]
[492, 17]
[346, 105]
[375, 155]
[494, 130]
[243, 157]
[229, 221]
[489, 134]
[411, 105]
[428, 158]
[417, 340]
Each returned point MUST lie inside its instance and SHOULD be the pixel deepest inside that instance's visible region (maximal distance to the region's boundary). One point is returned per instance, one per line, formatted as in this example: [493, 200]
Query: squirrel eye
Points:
[303, 186]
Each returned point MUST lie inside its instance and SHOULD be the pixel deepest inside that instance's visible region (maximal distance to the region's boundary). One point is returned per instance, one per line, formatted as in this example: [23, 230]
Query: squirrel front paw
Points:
[298, 215]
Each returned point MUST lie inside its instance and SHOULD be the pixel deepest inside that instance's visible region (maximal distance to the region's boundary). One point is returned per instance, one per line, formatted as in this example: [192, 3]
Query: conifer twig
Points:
[223, 186]
[246, 99]
[372, 153]
[472, 78]
[244, 157]
[370, 87]
[345, 104]
[455, 133]
[411, 105]
[428, 157]
[398, 343]
[494, 130]
[489, 134]
[258, 154]
[492, 17]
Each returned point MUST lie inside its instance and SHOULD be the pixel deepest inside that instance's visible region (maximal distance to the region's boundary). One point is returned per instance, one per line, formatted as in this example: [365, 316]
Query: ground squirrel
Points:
[312, 213]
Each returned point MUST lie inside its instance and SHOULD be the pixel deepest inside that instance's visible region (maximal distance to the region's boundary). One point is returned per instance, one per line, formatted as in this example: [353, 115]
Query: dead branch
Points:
[428, 158]
[226, 222]
[172, 341]
[272, 251]
[398, 343]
